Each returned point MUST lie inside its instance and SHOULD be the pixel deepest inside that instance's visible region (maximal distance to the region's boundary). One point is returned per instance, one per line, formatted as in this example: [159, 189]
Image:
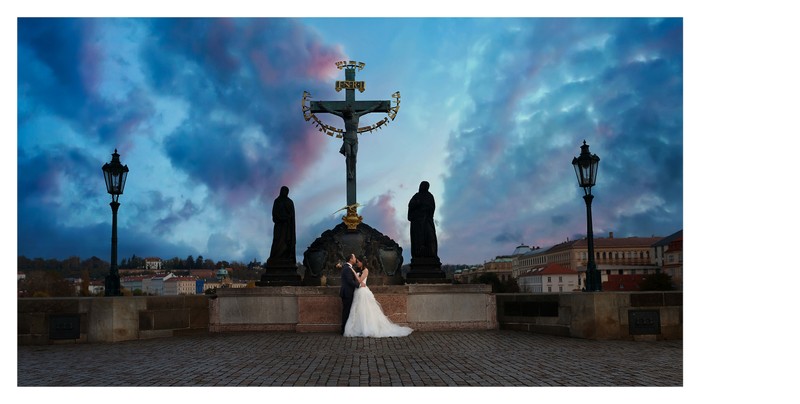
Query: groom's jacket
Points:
[348, 282]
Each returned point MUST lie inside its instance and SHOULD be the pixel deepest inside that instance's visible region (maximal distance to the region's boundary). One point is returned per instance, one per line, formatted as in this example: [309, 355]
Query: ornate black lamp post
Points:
[115, 174]
[586, 171]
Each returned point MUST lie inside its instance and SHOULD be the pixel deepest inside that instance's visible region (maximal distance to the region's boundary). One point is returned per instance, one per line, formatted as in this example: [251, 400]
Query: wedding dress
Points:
[367, 318]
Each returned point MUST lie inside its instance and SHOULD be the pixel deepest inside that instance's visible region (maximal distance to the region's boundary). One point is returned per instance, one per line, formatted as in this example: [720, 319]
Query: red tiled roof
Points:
[202, 273]
[619, 242]
[551, 269]
[555, 269]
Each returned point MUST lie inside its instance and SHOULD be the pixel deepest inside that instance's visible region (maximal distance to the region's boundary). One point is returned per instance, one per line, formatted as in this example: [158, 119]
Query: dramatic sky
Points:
[206, 114]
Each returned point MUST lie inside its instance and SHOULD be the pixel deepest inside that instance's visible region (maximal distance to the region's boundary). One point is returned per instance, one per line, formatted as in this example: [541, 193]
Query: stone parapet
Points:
[424, 307]
[599, 315]
[318, 308]
[43, 321]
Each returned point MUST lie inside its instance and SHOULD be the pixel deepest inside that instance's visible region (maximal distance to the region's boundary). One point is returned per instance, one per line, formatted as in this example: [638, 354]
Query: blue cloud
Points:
[216, 103]
[615, 83]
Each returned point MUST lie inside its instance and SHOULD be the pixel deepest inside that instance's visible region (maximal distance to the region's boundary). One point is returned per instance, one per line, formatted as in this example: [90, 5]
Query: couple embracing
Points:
[362, 315]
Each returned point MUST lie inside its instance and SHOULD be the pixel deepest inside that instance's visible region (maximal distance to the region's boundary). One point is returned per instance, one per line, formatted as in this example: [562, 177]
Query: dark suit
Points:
[346, 291]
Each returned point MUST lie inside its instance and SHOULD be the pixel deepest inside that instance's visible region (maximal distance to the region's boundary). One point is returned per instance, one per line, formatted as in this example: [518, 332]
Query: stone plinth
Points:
[280, 274]
[426, 270]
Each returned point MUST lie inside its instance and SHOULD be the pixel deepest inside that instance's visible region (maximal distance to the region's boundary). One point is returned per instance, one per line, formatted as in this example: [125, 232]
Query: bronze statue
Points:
[349, 147]
[423, 231]
[283, 236]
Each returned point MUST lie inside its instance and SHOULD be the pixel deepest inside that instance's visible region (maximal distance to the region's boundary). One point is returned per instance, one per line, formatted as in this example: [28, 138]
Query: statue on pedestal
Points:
[281, 266]
[425, 265]
[283, 234]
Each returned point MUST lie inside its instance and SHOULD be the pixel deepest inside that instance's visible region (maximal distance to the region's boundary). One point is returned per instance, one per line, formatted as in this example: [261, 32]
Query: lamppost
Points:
[115, 174]
[586, 170]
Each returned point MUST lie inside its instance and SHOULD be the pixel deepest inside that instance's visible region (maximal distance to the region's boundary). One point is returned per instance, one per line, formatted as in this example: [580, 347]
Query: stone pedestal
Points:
[283, 273]
[382, 255]
[426, 270]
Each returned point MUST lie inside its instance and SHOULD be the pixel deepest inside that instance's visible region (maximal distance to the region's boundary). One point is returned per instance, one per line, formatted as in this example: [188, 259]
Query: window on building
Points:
[549, 289]
[548, 279]
[560, 289]
[608, 272]
[619, 272]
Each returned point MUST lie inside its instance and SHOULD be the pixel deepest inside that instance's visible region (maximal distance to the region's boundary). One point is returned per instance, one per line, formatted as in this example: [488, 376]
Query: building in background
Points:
[549, 279]
[180, 285]
[152, 263]
[669, 257]
[617, 257]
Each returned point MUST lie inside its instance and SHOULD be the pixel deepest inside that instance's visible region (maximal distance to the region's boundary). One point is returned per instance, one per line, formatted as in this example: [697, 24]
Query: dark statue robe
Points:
[423, 232]
[283, 237]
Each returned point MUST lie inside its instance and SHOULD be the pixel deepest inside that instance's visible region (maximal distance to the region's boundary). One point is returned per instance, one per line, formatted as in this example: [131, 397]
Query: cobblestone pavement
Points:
[453, 358]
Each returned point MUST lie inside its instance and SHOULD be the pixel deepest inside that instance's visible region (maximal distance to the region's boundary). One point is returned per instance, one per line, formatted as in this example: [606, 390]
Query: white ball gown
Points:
[367, 318]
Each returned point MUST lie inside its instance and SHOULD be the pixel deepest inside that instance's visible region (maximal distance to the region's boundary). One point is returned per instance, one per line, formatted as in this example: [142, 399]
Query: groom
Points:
[347, 289]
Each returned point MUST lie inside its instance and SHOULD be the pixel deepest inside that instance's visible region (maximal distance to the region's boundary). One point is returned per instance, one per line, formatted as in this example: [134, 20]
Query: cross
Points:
[350, 111]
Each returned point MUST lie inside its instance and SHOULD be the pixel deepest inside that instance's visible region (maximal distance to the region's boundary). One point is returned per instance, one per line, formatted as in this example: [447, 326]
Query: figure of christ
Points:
[350, 139]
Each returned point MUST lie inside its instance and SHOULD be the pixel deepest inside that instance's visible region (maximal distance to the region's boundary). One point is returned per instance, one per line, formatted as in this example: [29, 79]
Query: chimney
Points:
[611, 234]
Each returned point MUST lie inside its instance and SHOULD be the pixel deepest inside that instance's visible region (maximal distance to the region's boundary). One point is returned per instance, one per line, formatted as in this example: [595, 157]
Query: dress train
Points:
[367, 318]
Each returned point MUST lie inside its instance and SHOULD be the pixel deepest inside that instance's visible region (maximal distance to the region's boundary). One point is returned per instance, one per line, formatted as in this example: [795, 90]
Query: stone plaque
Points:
[65, 326]
[315, 261]
[390, 260]
[644, 322]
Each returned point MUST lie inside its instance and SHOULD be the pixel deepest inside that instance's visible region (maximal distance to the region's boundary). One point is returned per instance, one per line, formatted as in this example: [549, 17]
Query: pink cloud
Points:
[323, 61]
[302, 154]
[381, 214]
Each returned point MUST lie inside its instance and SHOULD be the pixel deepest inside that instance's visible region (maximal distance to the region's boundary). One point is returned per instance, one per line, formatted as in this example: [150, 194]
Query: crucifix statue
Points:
[350, 111]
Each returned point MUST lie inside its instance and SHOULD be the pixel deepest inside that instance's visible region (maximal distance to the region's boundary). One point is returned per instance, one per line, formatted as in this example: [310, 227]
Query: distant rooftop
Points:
[522, 249]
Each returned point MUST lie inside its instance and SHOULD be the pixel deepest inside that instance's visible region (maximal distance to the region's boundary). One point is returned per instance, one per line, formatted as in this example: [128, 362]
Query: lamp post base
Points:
[113, 287]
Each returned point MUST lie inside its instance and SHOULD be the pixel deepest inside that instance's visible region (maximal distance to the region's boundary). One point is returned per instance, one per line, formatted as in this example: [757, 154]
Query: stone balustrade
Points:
[424, 307]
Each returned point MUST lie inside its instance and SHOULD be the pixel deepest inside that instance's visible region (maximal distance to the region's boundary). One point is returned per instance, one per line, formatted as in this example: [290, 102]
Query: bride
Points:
[366, 316]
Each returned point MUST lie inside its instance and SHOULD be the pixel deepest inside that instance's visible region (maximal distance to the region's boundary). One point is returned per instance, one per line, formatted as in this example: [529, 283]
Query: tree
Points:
[97, 268]
[172, 263]
[46, 284]
[188, 263]
[490, 278]
[659, 281]
[498, 286]
[24, 263]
